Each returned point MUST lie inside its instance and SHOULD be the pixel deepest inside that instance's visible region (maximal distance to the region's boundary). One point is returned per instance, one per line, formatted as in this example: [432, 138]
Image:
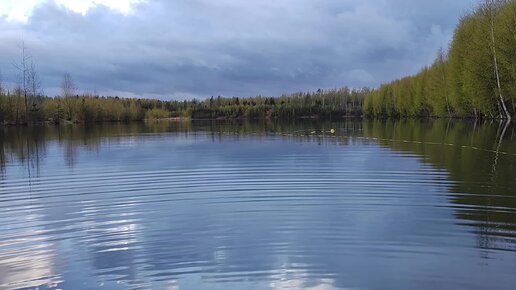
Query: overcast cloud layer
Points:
[199, 48]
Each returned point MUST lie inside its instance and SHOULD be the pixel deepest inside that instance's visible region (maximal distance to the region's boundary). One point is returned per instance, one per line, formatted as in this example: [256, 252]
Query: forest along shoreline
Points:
[74, 108]
[474, 78]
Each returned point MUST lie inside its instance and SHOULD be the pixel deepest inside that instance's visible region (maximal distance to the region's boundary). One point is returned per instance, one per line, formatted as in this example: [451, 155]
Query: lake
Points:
[266, 205]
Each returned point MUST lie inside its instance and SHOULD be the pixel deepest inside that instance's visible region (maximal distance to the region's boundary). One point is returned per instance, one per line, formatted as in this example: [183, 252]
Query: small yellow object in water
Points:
[332, 131]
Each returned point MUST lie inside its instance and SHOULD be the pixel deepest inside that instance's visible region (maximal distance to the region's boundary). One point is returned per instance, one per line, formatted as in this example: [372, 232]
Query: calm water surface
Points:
[378, 205]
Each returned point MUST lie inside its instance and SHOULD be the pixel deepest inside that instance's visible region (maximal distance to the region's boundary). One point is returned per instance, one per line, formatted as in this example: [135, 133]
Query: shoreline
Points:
[240, 119]
[172, 119]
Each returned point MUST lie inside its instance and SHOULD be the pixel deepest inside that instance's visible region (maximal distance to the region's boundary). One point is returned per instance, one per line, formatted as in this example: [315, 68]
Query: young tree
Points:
[505, 30]
[489, 9]
[68, 88]
[23, 74]
[34, 82]
[68, 91]
[36, 93]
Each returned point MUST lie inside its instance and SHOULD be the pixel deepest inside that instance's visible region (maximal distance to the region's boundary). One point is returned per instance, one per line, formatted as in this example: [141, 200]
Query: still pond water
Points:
[377, 205]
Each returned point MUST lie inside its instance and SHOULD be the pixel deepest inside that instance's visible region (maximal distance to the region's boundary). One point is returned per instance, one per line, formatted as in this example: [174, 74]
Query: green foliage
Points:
[157, 113]
[323, 104]
[79, 109]
[464, 83]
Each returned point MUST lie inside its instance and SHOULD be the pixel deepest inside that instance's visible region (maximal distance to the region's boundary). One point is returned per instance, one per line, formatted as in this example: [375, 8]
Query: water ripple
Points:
[171, 212]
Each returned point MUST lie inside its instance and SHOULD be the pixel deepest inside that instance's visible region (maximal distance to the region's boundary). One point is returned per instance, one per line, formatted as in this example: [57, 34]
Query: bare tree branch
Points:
[68, 90]
[23, 74]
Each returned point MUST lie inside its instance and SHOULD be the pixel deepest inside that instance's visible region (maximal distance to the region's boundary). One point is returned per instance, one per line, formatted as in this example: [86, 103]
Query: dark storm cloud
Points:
[228, 47]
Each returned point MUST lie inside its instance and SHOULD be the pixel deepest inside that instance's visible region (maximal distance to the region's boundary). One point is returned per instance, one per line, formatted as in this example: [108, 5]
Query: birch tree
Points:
[489, 9]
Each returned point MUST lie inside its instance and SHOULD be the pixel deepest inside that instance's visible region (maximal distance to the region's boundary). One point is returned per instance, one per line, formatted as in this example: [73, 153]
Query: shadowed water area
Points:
[377, 205]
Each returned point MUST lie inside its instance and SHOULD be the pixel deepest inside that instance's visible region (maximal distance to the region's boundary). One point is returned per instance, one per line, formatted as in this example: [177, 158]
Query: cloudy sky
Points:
[198, 48]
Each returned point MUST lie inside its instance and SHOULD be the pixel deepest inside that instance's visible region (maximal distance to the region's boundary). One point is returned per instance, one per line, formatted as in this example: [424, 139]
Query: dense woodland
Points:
[475, 78]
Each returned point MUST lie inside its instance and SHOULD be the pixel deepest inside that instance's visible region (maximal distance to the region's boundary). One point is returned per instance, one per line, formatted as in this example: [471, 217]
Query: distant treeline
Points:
[475, 78]
[26, 103]
[324, 104]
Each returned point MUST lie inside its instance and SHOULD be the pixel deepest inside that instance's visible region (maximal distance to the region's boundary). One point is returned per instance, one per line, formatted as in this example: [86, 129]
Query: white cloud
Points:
[21, 10]
[17, 10]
